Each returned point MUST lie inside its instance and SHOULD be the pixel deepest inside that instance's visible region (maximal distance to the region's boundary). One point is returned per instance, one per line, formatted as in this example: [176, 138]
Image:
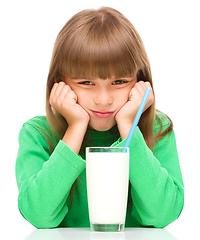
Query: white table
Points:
[86, 234]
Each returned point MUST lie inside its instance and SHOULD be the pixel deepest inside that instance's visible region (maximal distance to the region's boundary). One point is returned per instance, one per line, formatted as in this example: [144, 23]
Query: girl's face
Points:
[102, 99]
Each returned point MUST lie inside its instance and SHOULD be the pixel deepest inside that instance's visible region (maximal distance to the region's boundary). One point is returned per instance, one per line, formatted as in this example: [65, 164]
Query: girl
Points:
[98, 75]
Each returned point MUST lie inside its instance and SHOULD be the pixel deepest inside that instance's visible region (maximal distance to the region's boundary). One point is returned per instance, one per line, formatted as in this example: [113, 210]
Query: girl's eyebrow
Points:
[82, 78]
[110, 79]
[124, 78]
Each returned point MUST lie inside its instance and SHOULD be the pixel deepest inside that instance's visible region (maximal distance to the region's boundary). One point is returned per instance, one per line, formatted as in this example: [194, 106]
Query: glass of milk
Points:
[107, 171]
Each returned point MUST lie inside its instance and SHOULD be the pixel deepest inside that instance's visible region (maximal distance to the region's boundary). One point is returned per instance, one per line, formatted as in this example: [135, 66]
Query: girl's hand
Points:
[64, 100]
[127, 113]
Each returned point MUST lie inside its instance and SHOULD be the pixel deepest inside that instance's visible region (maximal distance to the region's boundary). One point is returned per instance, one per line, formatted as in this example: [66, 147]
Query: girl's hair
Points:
[99, 44]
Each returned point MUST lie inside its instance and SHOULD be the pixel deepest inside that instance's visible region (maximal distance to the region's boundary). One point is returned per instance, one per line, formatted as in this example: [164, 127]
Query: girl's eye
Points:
[118, 82]
[86, 83]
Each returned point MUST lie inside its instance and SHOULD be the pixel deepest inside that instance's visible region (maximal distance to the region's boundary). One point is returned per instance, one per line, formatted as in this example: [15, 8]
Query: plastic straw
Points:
[137, 118]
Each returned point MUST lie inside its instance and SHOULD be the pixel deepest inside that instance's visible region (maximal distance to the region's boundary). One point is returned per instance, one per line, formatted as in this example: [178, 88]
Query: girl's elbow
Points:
[162, 215]
[44, 224]
[170, 212]
[39, 220]
[166, 217]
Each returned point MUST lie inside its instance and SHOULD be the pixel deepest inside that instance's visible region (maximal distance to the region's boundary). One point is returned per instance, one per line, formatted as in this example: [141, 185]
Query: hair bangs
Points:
[100, 50]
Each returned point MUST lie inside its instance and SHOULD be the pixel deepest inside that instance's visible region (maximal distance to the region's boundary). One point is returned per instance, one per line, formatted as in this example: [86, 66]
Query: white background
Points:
[170, 31]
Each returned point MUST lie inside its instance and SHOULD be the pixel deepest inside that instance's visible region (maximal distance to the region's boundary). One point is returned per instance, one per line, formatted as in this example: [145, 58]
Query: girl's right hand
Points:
[64, 100]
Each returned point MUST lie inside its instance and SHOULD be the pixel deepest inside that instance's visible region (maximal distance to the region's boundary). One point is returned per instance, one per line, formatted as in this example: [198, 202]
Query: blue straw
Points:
[137, 118]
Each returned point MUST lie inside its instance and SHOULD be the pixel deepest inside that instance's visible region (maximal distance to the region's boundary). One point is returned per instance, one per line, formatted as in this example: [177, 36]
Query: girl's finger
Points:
[148, 84]
[71, 97]
[58, 89]
[63, 92]
[53, 90]
[141, 87]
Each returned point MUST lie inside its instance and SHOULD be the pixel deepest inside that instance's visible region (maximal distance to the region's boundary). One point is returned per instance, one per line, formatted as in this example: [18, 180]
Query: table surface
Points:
[86, 234]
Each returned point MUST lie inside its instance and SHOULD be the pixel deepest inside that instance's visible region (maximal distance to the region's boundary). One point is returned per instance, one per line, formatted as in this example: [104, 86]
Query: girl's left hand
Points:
[127, 113]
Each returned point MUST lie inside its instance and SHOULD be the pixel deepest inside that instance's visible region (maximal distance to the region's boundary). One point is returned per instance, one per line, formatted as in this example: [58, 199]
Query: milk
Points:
[107, 186]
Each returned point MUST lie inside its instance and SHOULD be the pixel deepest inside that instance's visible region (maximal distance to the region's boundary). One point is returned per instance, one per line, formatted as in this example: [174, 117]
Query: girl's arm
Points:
[44, 180]
[156, 186]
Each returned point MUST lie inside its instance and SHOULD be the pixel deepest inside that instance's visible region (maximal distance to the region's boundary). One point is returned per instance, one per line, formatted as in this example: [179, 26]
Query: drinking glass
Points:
[107, 172]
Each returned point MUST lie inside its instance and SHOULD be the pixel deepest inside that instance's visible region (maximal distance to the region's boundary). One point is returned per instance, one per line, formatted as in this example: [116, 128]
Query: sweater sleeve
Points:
[44, 180]
[156, 185]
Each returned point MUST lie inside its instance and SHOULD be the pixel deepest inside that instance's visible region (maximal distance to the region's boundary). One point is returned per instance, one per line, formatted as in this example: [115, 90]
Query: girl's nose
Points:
[103, 99]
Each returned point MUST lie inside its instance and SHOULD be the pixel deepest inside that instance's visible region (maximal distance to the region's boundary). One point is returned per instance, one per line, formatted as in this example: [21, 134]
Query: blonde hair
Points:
[99, 44]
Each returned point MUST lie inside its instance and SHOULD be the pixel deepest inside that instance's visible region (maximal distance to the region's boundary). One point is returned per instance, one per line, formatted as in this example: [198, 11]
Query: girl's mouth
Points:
[102, 114]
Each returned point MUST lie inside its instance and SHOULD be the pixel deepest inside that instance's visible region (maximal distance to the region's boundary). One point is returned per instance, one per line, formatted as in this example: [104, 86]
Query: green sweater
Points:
[156, 192]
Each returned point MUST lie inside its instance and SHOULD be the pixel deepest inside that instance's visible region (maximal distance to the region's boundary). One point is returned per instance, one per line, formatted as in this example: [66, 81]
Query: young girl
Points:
[98, 75]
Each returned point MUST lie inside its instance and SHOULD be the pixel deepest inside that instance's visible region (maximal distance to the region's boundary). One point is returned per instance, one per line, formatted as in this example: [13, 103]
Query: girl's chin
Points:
[101, 126]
